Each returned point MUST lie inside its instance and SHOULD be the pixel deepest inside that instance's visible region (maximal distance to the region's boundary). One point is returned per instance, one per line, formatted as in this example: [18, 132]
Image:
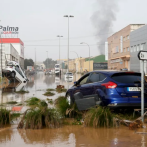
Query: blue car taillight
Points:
[109, 85]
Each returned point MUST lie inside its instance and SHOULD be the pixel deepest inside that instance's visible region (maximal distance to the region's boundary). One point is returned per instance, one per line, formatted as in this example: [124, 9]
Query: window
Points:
[128, 37]
[128, 49]
[84, 80]
[137, 47]
[95, 77]
[131, 48]
[116, 49]
[127, 77]
[102, 77]
[142, 46]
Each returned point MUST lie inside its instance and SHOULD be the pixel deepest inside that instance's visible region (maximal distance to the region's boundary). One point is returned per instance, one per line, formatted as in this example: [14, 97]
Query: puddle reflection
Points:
[36, 86]
[73, 136]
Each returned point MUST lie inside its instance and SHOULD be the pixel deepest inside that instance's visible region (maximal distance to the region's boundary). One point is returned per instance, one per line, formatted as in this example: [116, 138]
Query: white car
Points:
[57, 80]
[57, 69]
[14, 71]
[48, 72]
[68, 75]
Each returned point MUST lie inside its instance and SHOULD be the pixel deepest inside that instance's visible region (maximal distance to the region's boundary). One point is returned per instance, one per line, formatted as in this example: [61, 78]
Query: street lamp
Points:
[68, 16]
[89, 52]
[47, 59]
[59, 48]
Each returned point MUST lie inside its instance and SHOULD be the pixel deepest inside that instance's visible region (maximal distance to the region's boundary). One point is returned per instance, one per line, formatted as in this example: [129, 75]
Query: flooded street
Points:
[36, 86]
[72, 136]
[65, 136]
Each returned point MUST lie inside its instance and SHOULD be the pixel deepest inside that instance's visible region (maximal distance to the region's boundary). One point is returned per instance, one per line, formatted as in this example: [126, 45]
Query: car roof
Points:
[110, 73]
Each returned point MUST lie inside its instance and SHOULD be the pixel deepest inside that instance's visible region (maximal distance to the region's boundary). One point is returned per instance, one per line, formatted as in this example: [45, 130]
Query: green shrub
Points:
[39, 118]
[50, 89]
[12, 102]
[14, 115]
[48, 93]
[62, 105]
[4, 117]
[65, 109]
[99, 117]
[33, 101]
[22, 91]
[60, 90]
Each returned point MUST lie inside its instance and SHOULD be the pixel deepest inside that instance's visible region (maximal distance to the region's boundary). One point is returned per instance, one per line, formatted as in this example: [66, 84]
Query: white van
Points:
[14, 71]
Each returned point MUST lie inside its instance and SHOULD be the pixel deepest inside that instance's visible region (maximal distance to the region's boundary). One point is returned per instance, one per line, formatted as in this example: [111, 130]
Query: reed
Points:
[40, 117]
[48, 93]
[34, 101]
[22, 91]
[4, 117]
[99, 117]
[11, 102]
[50, 89]
[65, 109]
[60, 89]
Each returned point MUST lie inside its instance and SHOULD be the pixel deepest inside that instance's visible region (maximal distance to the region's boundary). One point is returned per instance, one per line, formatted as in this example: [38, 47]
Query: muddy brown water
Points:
[66, 136]
[72, 136]
[36, 86]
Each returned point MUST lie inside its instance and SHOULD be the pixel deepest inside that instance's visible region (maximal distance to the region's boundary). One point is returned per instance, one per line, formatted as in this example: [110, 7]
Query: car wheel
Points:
[13, 74]
[68, 98]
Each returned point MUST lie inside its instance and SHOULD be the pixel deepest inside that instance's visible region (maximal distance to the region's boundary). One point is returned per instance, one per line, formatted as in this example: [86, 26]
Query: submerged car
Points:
[14, 71]
[48, 72]
[113, 89]
[69, 75]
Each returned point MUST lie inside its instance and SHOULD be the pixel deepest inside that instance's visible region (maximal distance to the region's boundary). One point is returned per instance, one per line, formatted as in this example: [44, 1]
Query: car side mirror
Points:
[75, 83]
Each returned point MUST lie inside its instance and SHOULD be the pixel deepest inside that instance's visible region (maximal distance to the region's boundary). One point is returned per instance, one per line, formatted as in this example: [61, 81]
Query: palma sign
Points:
[9, 30]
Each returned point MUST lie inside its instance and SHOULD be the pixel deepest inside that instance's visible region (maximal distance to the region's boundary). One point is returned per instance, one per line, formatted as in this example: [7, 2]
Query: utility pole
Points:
[35, 59]
[59, 53]
[47, 60]
[1, 61]
[68, 16]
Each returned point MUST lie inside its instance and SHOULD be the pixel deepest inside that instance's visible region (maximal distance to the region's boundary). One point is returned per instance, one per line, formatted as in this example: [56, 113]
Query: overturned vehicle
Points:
[14, 72]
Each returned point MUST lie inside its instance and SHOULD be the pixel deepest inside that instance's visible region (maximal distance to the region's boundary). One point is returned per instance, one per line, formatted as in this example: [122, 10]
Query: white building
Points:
[13, 49]
[40, 65]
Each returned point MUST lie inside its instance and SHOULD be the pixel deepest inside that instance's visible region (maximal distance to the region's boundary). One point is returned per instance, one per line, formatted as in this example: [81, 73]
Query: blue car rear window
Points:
[127, 77]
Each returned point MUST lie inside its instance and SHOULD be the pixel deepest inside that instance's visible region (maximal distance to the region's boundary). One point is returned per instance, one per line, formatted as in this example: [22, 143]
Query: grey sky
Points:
[40, 21]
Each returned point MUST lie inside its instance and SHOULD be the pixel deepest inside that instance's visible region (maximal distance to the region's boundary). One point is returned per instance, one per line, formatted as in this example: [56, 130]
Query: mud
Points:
[73, 136]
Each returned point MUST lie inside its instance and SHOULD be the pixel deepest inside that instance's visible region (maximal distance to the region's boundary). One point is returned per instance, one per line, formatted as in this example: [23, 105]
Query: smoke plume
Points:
[102, 20]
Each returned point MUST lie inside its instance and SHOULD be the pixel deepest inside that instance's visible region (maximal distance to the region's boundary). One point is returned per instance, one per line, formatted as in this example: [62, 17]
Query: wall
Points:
[86, 65]
[138, 41]
[9, 53]
[20, 49]
[119, 47]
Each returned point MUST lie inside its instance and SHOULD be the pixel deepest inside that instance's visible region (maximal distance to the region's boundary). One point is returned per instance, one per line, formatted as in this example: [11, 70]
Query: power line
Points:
[67, 38]
[85, 45]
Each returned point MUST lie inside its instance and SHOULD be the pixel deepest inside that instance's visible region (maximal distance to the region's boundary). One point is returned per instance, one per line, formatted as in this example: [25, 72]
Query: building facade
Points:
[9, 53]
[138, 41]
[18, 45]
[119, 48]
[84, 64]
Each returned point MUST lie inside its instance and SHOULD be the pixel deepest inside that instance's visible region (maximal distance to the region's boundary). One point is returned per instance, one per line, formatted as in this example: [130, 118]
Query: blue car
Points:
[114, 89]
